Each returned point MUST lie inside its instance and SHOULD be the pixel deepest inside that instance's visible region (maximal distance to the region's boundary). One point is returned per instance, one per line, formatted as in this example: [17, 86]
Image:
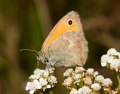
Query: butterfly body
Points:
[66, 44]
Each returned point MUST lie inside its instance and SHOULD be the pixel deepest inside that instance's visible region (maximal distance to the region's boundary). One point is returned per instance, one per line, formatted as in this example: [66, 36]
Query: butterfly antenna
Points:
[29, 50]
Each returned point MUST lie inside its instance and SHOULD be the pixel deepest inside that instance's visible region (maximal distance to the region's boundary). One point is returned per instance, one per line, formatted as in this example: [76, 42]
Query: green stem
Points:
[118, 78]
[41, 92]
[51, 92]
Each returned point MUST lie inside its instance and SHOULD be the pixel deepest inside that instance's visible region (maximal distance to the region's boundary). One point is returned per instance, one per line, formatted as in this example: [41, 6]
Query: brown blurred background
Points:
[26, 23]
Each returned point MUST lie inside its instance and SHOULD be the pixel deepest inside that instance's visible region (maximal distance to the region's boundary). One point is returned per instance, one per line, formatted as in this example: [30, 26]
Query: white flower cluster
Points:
[41, 80]
[81, 81]
[111, 60]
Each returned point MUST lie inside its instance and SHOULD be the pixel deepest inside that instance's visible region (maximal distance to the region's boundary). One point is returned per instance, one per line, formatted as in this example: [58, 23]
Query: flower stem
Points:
[41, 92]
[118, 78]
[51, 92]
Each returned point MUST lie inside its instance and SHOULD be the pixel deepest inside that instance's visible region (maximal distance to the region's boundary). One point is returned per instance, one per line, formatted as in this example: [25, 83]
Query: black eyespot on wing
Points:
[70, 22]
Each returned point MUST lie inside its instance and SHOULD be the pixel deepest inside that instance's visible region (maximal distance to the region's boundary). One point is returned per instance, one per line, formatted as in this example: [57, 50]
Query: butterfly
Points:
[66, 44]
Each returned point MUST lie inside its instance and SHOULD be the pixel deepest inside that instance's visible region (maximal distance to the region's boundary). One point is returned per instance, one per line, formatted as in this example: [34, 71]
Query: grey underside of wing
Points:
[69, 50]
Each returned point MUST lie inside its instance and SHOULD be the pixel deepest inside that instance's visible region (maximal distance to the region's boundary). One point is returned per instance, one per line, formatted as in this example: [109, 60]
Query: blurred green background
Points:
[26, 23]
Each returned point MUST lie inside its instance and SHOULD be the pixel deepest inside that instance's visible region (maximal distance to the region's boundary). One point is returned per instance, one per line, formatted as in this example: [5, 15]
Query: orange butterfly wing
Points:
[62, 27]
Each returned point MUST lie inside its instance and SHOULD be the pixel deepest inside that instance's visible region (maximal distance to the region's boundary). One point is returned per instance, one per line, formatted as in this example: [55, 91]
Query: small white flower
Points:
[79, 69]
[99, 78]
[29, 86]
[32, 77]
[52, 79]
[43, 73]
[48, 86]
[111, 59]
[112, 51]
[84, 90]
[96, 87]
[38, 71]
[73, 91]
[90, 71]
[87, 80]
[104, 60]
[33, 86]
[51, 69]
[68, 81]
[43, 82]
[38, 86]
[31, 92]
[115, 64]
[77, 76]
[95, 73]
[68, 72]
[46, 74]
[107, 82]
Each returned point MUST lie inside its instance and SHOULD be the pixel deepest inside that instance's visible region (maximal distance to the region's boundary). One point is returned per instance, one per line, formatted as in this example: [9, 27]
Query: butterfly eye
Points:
[70, 22]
